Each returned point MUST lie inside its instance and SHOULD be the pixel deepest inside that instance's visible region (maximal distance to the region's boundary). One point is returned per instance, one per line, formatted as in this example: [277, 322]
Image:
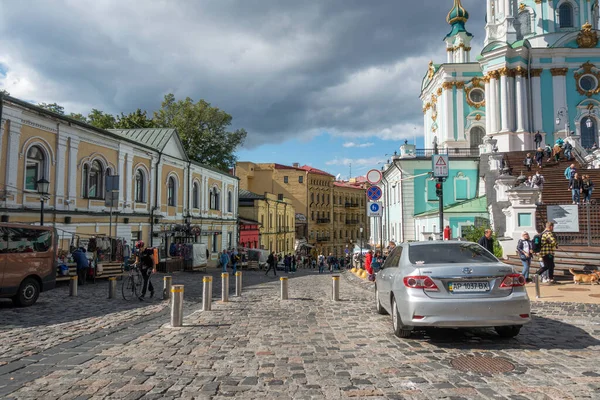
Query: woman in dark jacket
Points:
[525, 250]
[539, 157]
[587, 189]
[576, 185]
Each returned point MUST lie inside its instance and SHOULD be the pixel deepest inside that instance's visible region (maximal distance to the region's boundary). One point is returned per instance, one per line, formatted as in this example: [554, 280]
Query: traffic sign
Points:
[374, 193]
[374, 176]
[374, 209]
[440, 166]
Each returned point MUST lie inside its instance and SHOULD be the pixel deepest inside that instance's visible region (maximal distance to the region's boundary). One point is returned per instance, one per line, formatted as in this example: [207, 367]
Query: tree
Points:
[100, 120]
[53, 107]
[4, 92]
[135, 120]
[203, 130]
[78, 117]
[473, 234]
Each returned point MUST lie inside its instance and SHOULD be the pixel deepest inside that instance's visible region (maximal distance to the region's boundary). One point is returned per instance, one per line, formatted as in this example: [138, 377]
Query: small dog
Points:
[585, 278]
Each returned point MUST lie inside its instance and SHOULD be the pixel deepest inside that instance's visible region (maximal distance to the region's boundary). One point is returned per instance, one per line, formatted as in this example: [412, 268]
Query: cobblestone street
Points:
[257, 347]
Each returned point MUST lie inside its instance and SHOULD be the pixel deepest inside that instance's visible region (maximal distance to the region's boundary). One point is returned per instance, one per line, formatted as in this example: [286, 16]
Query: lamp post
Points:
[361, 247]
[563, 113]
[42, 188]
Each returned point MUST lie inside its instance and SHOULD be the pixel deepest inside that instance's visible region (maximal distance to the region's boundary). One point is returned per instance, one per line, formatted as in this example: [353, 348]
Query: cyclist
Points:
[146, 263]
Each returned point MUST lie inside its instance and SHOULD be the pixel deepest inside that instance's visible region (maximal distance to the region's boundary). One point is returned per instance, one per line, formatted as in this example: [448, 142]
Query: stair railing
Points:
[579, 152]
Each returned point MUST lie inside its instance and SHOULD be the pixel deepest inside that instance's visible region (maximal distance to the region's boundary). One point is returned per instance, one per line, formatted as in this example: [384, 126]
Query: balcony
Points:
[323, 220]
[322, 239]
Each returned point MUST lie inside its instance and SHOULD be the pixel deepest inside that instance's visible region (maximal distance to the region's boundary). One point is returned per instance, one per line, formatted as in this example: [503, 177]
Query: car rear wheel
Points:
[508, 331]
[399, 329]
[28, 293]
[378, 307]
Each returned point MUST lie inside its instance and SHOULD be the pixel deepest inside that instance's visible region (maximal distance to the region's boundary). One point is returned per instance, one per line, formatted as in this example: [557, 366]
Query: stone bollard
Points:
[537, 286]
[238, 283]
[336, 288]
[284, 288]
[167, 282]
[224, 287]
[73, 286]
[176, 306]
[112, 287]
[206, 293]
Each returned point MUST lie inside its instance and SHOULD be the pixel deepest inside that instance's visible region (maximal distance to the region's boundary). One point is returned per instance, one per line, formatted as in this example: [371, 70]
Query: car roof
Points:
[438, 242]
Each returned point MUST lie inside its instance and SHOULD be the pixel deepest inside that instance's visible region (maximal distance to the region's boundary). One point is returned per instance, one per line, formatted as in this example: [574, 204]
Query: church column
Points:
[448, 111]
[504, 127]
[460, 113]
[488, 103]
[521, 103]
[536, 99]
[489, 11]
[495, 106]
[450, 55]
[512, 103]
[501, 9]
[559, 92]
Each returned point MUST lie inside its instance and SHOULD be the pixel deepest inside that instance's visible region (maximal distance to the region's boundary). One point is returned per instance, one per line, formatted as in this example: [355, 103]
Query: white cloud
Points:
[356, 161]
[358, 145]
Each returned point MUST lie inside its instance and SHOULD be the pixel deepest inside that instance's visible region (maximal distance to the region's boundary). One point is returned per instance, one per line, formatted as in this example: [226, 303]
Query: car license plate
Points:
[468, 287]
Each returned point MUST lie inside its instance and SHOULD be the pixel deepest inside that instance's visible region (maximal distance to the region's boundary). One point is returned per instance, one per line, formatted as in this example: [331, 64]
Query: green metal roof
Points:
[248, 195]
[156, 138]
[476, 205]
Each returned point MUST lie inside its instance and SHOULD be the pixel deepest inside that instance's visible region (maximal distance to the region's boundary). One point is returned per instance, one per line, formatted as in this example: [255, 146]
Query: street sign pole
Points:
[441, 181]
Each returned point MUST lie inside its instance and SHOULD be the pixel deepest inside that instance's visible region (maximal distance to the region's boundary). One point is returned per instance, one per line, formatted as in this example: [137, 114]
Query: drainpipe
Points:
[157, 182]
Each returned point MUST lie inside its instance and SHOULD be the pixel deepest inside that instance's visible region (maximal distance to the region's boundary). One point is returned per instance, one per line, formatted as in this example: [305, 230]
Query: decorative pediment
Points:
[587, 37]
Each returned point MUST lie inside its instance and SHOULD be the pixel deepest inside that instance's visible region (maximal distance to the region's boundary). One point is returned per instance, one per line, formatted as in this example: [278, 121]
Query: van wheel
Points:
[28, 293]
[508, 331]
[399, 330]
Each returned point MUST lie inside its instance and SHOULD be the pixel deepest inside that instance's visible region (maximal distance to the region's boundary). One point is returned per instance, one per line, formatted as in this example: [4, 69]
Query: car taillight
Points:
[512, 280]
[420, 282]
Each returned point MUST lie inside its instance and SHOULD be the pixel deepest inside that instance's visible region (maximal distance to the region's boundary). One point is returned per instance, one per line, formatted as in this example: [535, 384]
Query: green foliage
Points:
[203, 130]
[473, 234]
[78, 117]
[101, 120]
[4, 92]
[53, 107]
[135, 120]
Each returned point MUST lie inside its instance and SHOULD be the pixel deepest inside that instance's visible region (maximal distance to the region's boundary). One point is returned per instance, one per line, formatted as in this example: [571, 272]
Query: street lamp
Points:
[361, 247]
[42, 188]
[563, 113]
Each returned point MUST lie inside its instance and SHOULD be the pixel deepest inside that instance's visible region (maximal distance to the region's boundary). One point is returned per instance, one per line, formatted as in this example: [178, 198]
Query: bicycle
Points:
[132, 285]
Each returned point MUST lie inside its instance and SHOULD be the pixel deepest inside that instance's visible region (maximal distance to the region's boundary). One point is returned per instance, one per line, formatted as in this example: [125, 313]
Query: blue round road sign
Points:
[374, 207]
[374, 193]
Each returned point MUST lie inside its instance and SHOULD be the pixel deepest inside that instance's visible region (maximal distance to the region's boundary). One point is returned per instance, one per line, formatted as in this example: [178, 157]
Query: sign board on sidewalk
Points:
[440, 165]
[374, 176]
[374, 209]
[374, 193]
[566, 218]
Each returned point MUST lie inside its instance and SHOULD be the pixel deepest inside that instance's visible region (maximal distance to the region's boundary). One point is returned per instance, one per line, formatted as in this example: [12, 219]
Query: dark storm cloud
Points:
[281, 68]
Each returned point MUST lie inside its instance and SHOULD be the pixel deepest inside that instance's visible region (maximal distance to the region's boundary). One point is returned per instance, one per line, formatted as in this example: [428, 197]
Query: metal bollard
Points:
[167, 281]
[336, 288]
[73, 286]
[206, 293]
[238, 284]
[537, 287]
[284, 288]
[176, 305]
[112, 287]
[224, 287]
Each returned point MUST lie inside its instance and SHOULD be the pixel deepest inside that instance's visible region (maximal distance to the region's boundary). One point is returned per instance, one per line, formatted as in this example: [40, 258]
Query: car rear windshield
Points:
[455, 253]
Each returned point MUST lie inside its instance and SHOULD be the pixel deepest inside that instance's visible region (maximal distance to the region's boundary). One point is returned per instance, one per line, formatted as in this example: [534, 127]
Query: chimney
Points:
[296, 165]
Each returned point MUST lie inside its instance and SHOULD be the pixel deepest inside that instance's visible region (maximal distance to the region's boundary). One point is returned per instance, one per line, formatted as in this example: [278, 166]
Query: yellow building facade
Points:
[158, 188]
[275, 216]
[313, 193]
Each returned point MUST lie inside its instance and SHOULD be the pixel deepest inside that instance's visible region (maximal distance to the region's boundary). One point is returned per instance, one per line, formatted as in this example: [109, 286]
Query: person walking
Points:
[321, 263]
[272, 262]
[539, 157]
[224, 261]
[537, 139]
[80, 258]
[525, 250]
[528, 162]
[538, 181]
[146, 268]
[588, 188]
[576, 186]
[235, 259]
[487, 241]
[549, 246]
[568, 148]
[568, 170]
[548, 152]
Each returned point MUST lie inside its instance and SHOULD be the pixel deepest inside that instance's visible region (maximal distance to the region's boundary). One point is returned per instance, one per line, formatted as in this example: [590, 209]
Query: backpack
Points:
[536, 243]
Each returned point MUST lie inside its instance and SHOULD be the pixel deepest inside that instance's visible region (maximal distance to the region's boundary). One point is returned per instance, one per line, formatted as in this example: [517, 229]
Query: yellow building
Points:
[349, 216]
[312, 193]
[159, 189]
[276, 218]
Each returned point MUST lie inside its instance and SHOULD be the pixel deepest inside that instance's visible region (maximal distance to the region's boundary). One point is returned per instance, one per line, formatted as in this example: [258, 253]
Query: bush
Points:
[473, 234]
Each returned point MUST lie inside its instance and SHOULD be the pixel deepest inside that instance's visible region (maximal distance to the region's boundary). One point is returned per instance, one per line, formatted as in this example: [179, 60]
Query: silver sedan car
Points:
[450, 284]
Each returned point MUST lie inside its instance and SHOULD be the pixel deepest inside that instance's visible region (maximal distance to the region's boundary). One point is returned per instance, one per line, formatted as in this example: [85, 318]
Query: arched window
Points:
[214, 199]
[524, 24]
[229, 202]
[196, 196]
[35, 167]
[93, 180]
[476, 136]
[565, 15]
[140, 186]
[171, 192]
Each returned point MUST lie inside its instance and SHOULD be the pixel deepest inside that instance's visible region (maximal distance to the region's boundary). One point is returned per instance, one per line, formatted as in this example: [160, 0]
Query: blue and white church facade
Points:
[539, 70]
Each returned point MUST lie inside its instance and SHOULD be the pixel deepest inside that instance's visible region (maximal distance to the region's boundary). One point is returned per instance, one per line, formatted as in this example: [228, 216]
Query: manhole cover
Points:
[574, 290]
[482, 365]
[597, 296]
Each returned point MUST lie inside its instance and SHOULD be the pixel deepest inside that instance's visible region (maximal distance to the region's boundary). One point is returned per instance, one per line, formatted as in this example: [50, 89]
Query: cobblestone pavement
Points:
[257, 347]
